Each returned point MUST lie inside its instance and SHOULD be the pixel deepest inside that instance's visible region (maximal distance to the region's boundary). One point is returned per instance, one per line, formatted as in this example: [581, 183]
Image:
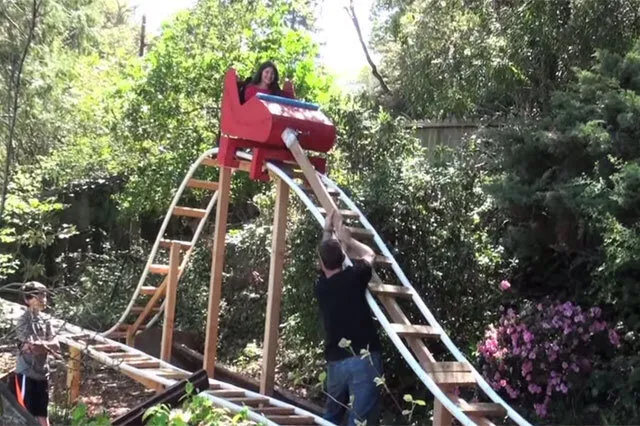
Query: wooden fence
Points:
[444, 132]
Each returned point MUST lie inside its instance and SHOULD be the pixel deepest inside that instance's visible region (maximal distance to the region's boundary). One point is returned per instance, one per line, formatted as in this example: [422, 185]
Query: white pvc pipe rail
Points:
[404, 351]
[156, 244]
[459, 356]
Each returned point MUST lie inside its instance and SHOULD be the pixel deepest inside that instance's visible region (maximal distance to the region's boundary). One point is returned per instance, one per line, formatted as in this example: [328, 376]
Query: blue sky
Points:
[341, 51]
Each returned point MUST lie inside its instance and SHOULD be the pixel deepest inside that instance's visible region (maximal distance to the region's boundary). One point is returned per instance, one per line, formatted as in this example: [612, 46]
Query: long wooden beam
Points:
[217, 265]
[274, 297]
[170, 303]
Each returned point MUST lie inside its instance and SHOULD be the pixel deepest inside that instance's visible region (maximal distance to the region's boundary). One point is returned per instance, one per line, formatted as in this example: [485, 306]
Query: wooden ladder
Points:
[447, 375]
[148, 301]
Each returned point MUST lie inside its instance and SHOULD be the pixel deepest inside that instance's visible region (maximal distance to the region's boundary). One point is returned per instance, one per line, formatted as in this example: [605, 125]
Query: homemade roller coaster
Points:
[267, 137]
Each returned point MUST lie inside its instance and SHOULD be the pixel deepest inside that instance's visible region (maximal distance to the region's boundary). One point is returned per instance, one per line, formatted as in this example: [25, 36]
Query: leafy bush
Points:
[543, 357]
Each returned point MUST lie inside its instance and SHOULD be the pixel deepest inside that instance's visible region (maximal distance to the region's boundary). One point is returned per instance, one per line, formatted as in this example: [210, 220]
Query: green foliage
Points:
[80, 417]
[493, 57]
[195, 410]
[31, 225]
[567, 185]
[172, 116]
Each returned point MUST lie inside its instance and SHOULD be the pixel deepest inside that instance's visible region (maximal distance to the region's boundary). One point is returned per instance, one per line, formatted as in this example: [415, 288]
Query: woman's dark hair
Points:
[257, 77]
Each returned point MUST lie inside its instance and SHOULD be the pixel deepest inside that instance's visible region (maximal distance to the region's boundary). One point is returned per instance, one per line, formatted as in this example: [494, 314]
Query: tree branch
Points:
[351, 11]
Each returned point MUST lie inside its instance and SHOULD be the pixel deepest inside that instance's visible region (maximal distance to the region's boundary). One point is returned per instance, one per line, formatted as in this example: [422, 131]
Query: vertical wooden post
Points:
[74, 374]
[441, 417]
[278, 245]
[217, 264]
[170, 303]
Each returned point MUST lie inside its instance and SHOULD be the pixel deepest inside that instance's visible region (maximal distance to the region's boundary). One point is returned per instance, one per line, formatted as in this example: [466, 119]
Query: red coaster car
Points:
[258, 124]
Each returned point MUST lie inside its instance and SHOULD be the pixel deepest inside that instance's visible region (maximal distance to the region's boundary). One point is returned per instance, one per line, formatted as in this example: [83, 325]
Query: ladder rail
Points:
[426, 312]
[404, 351]
[163, 228]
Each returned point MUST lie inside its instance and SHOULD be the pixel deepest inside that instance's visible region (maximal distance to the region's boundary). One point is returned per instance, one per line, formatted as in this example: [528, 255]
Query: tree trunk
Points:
[351, 11]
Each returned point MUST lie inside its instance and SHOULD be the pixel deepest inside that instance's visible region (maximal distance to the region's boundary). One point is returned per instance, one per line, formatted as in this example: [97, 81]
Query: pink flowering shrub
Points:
[545, 353]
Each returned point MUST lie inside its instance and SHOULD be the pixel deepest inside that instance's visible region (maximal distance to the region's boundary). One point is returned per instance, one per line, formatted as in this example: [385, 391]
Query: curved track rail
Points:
[461, 410]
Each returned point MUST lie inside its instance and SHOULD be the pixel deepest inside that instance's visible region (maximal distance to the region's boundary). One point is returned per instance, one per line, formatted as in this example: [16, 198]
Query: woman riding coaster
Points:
[265, 80]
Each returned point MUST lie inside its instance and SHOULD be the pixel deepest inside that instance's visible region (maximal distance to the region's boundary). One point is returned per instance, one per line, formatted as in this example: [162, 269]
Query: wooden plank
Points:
[413, 330]
[202, 184]
[169, 374]
[159, 269]
[74, 374]
[381, 260]
[217, 266]
[274, 296]
[189, 212]
[227, 393]
[250, 401]
[106, 347]
[483, 409]
[292, 420]
[129, 356]
[451, 379]
[441, 417]
[360, 233]
[148, 290]
[343, 212]
[140, 309]
[281, 411]
[310, 174]
[184, 245]
[170, 303]
[398, 291]
[144, 364]
[151, 303]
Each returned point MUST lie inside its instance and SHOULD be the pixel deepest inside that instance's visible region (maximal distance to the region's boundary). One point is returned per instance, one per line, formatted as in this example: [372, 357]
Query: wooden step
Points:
[183, 245]
[332, 192]
[144, 364]
[276, 411]
[482, 409]
[360, 233]
[202, 184]
[343, 213]
[189, 212]
[381, 260]
[292, 420]
[250, 401]
[148, 290]
[412, 330]
[399, 291]
[107, 348]
[129, 356]
[139, 309]
[227, 393]
[210, 162]
[169, 374]
[451, 374]
[159, 269]
[117, 335]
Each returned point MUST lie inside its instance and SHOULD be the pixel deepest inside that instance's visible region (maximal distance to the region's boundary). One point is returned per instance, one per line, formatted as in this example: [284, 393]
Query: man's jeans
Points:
[353, 376]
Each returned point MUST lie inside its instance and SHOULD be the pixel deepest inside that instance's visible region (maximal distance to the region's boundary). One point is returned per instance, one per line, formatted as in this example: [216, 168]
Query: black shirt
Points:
[345, 312]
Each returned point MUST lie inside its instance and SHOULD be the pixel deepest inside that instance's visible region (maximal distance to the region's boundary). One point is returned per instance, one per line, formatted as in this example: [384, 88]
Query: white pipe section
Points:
[163, 228]
[459, 356]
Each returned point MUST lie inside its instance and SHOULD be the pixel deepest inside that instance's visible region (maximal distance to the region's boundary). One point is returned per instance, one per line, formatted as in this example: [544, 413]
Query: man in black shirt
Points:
[352, 346]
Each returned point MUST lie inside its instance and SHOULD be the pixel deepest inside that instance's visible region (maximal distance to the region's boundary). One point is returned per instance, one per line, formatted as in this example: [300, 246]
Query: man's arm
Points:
[354, 248]
[327, 231]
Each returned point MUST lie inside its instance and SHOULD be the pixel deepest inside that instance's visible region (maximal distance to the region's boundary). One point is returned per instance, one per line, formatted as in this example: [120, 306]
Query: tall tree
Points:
[21, 20]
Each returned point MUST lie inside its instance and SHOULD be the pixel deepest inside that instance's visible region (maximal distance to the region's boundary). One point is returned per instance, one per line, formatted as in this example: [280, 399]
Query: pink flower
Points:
[541, 409]
[613, 338]
[505, 285]
[527, 336]
[503, 383]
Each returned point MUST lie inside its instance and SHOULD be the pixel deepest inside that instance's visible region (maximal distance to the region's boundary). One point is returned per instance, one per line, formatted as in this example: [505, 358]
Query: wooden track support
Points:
[170, 303]
[278, 246]
[74, 374]
[291, 141]
[217, 265]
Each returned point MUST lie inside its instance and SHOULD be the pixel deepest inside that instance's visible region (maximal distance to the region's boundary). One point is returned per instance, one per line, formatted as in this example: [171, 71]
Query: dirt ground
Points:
[102, 388]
